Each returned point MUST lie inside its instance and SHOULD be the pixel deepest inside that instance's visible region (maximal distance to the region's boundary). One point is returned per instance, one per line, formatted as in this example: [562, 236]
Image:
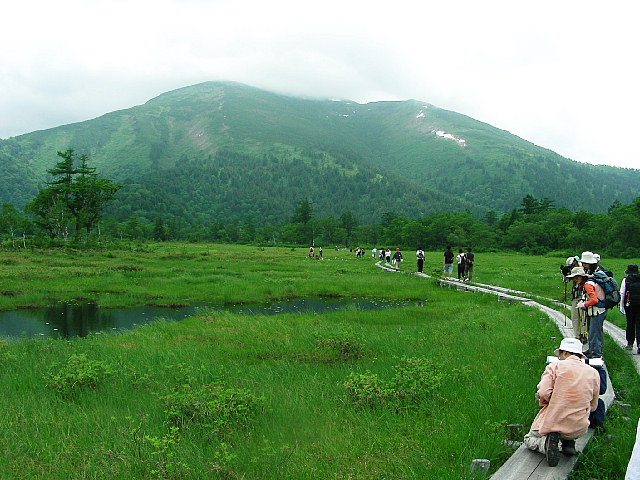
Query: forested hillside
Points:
[228, 152]
[231, 186]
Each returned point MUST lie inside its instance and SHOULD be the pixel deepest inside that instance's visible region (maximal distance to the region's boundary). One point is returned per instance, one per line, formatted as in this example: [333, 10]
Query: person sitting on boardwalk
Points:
[568, 391]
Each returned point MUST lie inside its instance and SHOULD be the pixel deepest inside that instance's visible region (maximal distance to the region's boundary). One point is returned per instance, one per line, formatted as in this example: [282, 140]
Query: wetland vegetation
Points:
[409, 392]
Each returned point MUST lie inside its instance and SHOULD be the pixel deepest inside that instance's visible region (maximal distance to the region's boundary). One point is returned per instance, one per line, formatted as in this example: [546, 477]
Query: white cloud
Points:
[560, 74]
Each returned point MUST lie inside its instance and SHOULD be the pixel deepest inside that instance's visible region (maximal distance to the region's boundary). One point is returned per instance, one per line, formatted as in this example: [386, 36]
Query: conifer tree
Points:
[75, 197]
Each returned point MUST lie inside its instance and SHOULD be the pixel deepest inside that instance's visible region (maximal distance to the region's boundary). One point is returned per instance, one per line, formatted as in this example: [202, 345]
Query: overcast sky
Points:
[562, 74]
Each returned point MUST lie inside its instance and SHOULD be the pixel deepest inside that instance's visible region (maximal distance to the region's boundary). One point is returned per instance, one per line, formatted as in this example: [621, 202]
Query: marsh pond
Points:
[80, 319]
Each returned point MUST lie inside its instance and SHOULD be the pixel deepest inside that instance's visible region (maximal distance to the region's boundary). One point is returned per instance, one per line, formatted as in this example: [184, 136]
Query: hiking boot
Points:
[552, 448]
[629, 347]
[569, 447]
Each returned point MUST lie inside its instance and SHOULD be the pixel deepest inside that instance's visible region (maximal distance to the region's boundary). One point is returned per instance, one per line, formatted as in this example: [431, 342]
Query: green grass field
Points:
[415, 392]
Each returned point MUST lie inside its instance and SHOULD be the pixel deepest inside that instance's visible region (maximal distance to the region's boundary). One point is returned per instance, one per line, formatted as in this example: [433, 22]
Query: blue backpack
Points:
[609, 287]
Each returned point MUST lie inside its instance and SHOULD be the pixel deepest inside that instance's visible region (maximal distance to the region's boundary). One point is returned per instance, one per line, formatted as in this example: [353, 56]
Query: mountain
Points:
[227, 152]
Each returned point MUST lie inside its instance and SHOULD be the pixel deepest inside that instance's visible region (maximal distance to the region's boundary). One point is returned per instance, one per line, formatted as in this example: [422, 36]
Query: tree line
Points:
[70, 209]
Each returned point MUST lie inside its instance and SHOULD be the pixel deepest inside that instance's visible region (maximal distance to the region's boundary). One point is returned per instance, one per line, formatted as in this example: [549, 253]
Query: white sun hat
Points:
[588, 257]
[571, 345]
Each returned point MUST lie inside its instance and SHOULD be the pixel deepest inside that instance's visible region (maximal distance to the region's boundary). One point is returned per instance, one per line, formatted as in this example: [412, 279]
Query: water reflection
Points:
[80, 319]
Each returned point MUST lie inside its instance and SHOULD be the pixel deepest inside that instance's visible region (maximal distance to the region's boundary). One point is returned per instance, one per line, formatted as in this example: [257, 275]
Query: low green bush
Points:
[344, 344]
[215, 406]
[415, 381]
[78, 373]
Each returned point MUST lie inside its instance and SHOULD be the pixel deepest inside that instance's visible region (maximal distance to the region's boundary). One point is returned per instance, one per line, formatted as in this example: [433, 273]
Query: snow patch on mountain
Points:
[442, 134]
[421, 112]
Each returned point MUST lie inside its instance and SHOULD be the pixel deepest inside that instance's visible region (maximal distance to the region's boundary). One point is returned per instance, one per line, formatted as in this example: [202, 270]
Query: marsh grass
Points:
[168, 274]
[306, 426]
[489, 357]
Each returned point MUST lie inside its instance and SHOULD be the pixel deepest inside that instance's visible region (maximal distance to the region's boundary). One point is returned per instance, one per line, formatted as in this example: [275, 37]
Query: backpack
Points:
[632, 290]
[469, 258]
[609, 287]
[420, 255]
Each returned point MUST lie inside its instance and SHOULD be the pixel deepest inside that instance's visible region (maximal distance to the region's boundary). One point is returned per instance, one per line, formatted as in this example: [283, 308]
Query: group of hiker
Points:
[394, 259]
[464, 260]
[571, 385]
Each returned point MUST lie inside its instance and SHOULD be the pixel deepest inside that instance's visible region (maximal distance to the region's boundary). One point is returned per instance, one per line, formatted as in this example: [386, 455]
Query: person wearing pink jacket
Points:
[568, 392]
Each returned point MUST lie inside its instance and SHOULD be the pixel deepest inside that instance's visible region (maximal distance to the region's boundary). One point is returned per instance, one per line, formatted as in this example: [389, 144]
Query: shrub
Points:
[79, 372]
[366, 390]
[344, 344]
[415, 381]
[214, 406]
[166, 463]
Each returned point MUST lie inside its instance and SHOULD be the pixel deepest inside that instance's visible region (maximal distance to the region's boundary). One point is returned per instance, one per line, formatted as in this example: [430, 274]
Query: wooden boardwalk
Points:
[525, 464]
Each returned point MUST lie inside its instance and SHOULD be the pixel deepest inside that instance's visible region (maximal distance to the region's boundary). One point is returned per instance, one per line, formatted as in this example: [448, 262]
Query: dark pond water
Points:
[65, 320]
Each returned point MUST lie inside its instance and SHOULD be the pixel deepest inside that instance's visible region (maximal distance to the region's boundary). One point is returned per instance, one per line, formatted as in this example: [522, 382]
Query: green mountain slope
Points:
[226, 151]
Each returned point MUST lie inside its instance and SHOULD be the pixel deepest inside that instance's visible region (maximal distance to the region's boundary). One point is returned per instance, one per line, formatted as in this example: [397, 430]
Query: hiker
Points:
[448, 261]
[320, 253]
[589, 262]
[461, 264]
[578, 316]
[397, 258]
[630, 305]
[469, 260]
[567, 392]
[374, 251]
[590, 300]
[420, 257]
[387, 255]
[311, 251]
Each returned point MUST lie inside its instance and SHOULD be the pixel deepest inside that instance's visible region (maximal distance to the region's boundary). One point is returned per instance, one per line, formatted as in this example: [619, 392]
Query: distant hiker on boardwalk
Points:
[397, 258]
[311, 252]
[461, 264]
[448, 261]
[469, 261]
[420, 257]
[630, 305]
[578, 316]
[567, 392]
[387, 255]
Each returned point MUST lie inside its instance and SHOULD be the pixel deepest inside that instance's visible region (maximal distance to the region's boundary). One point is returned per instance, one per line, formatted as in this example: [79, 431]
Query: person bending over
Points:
[568, 391]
